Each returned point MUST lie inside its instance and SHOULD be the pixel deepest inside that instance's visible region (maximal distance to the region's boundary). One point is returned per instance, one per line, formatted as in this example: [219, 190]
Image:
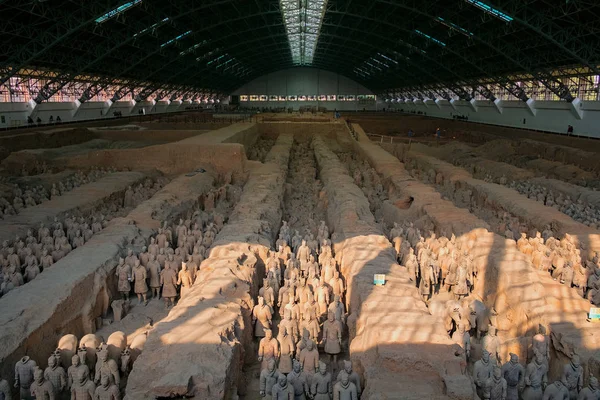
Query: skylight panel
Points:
[455, 27]
[303, 20]
[176, 39]
[194, 47]
[431, 38]
[387, 58]
[491, 10]
[119, 10]
[151, 28]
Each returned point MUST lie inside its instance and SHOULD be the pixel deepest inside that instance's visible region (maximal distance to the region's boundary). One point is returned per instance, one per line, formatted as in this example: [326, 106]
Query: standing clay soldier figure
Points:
[83, 388]
[321, 387]
[345, 390]
[283, 390]
[427, 281]
[24, 369]
[495, 387]
[482, 371]
[261, 317]
[139, 278]
[75, 369]
[491, 343]
[124, 277]
[268, 379]
[6, 392]
[332, 338]
[268, 349]
[185, 279]
[535, 378]
[309, 359]
[128, 199]
[557, 391]
[41, 389]
[514, 373]
[168, 280]
[591, 392]
[352, 377]
[106, 390]
[541, 343]
[461, 288]
[56, 375]
[287, 348]
[573, 377]
[297, 378]
[154, 276]
[107, 366]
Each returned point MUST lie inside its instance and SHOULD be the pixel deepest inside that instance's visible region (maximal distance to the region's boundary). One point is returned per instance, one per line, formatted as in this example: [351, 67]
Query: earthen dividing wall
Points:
[198, 351]
[498, 197]
[479, 167]
[220, 151]
[45, 139]
[399, 348]
[82, 199]
[522, 296]
[70, 295]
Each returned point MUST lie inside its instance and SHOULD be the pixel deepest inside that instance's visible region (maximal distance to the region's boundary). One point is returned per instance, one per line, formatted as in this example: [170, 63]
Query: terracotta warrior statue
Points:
[56, 375]
[283, 390]
[168, 280]
[557, 391]
[299, 381]
[591, 392]
[573, 376]
[268, 379]
[185, 279]
[309, 359]
[75, 369]
[268, 349]
[261, 317]
[5, 390]
[83, 388]
[107, 390]
[535, 378]
[514, 374]
[332, 337]
[41, 389]
[124, 276]
[482, 371]
[140, 287]
[154, 276]
[352, 377]
[108, 367]
[24, 370]
[495, 387]
[321, 387]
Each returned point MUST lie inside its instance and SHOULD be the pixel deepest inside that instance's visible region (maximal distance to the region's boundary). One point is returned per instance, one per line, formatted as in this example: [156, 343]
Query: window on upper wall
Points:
[350, 98]
[322, 97]
[253, 97]
[301, 98]
[282, 98]
[273, 98]
[331, 97]
[292, 98]
[243, 97]
[311, 98]
[263, 98]
[341, 98]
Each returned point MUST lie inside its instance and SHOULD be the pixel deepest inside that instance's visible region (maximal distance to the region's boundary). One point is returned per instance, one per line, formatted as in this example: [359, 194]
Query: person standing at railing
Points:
[410, 133]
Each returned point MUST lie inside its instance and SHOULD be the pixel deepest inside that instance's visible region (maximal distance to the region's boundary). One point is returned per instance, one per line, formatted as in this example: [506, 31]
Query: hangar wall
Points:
[303, 81]
[550, 116]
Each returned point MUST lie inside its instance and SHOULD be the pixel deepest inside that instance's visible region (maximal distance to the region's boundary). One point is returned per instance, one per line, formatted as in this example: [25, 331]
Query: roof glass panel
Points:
[117, 11]
[303, 20]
